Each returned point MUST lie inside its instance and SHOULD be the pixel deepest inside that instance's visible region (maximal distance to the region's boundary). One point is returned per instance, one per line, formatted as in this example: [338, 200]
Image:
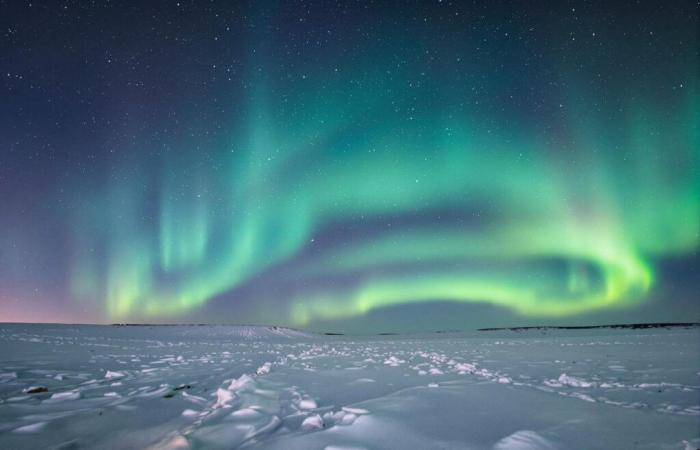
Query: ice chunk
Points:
[311, 423]
[393, 361]
[111, 375]
[567, 380]
[308, 403]
[68, 395]
[348, 419]
[223, 398]
[463, 368]
[243, 382]
[264, 369]
[553, 383]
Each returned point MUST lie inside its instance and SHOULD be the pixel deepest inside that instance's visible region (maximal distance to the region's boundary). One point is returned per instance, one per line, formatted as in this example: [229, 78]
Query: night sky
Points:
[349, 166]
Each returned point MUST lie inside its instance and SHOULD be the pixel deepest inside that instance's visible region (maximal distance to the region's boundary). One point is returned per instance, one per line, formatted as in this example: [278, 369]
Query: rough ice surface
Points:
[195, 387]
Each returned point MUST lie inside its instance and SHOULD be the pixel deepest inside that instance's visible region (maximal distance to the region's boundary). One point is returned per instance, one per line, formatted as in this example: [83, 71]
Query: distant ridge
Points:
[245, 331]
[270, 327]
[632, 326]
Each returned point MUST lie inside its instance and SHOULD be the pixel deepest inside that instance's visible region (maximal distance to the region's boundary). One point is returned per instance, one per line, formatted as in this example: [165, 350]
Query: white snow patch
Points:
[193, 398]
[33, 428]
[246, 413]
[68, 395]
[582, 396]
[343, 447]
[524, 440]
[357, 411]
[5, 376]
[365, 380]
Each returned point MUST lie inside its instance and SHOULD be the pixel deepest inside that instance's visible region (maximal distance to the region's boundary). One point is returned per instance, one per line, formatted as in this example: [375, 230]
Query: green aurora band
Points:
[549, 224]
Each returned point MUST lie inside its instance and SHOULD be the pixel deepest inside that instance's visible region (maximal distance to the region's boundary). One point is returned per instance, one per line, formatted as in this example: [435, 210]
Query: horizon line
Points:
[512, 328]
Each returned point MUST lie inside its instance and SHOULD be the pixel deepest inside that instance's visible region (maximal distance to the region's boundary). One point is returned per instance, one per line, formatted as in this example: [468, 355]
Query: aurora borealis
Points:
[317, 164]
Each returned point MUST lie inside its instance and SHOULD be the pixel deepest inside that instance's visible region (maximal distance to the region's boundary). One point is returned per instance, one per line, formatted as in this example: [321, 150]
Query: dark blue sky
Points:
[352, 166]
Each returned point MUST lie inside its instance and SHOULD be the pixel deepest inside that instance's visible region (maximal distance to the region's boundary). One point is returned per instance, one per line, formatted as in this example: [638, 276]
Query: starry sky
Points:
[349, 166]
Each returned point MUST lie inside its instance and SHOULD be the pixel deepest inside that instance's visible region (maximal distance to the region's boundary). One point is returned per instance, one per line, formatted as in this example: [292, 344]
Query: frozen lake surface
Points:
[181, 387]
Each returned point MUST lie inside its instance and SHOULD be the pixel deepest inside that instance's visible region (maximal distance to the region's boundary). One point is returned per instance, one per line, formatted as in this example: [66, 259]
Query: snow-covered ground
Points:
[180, 387]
